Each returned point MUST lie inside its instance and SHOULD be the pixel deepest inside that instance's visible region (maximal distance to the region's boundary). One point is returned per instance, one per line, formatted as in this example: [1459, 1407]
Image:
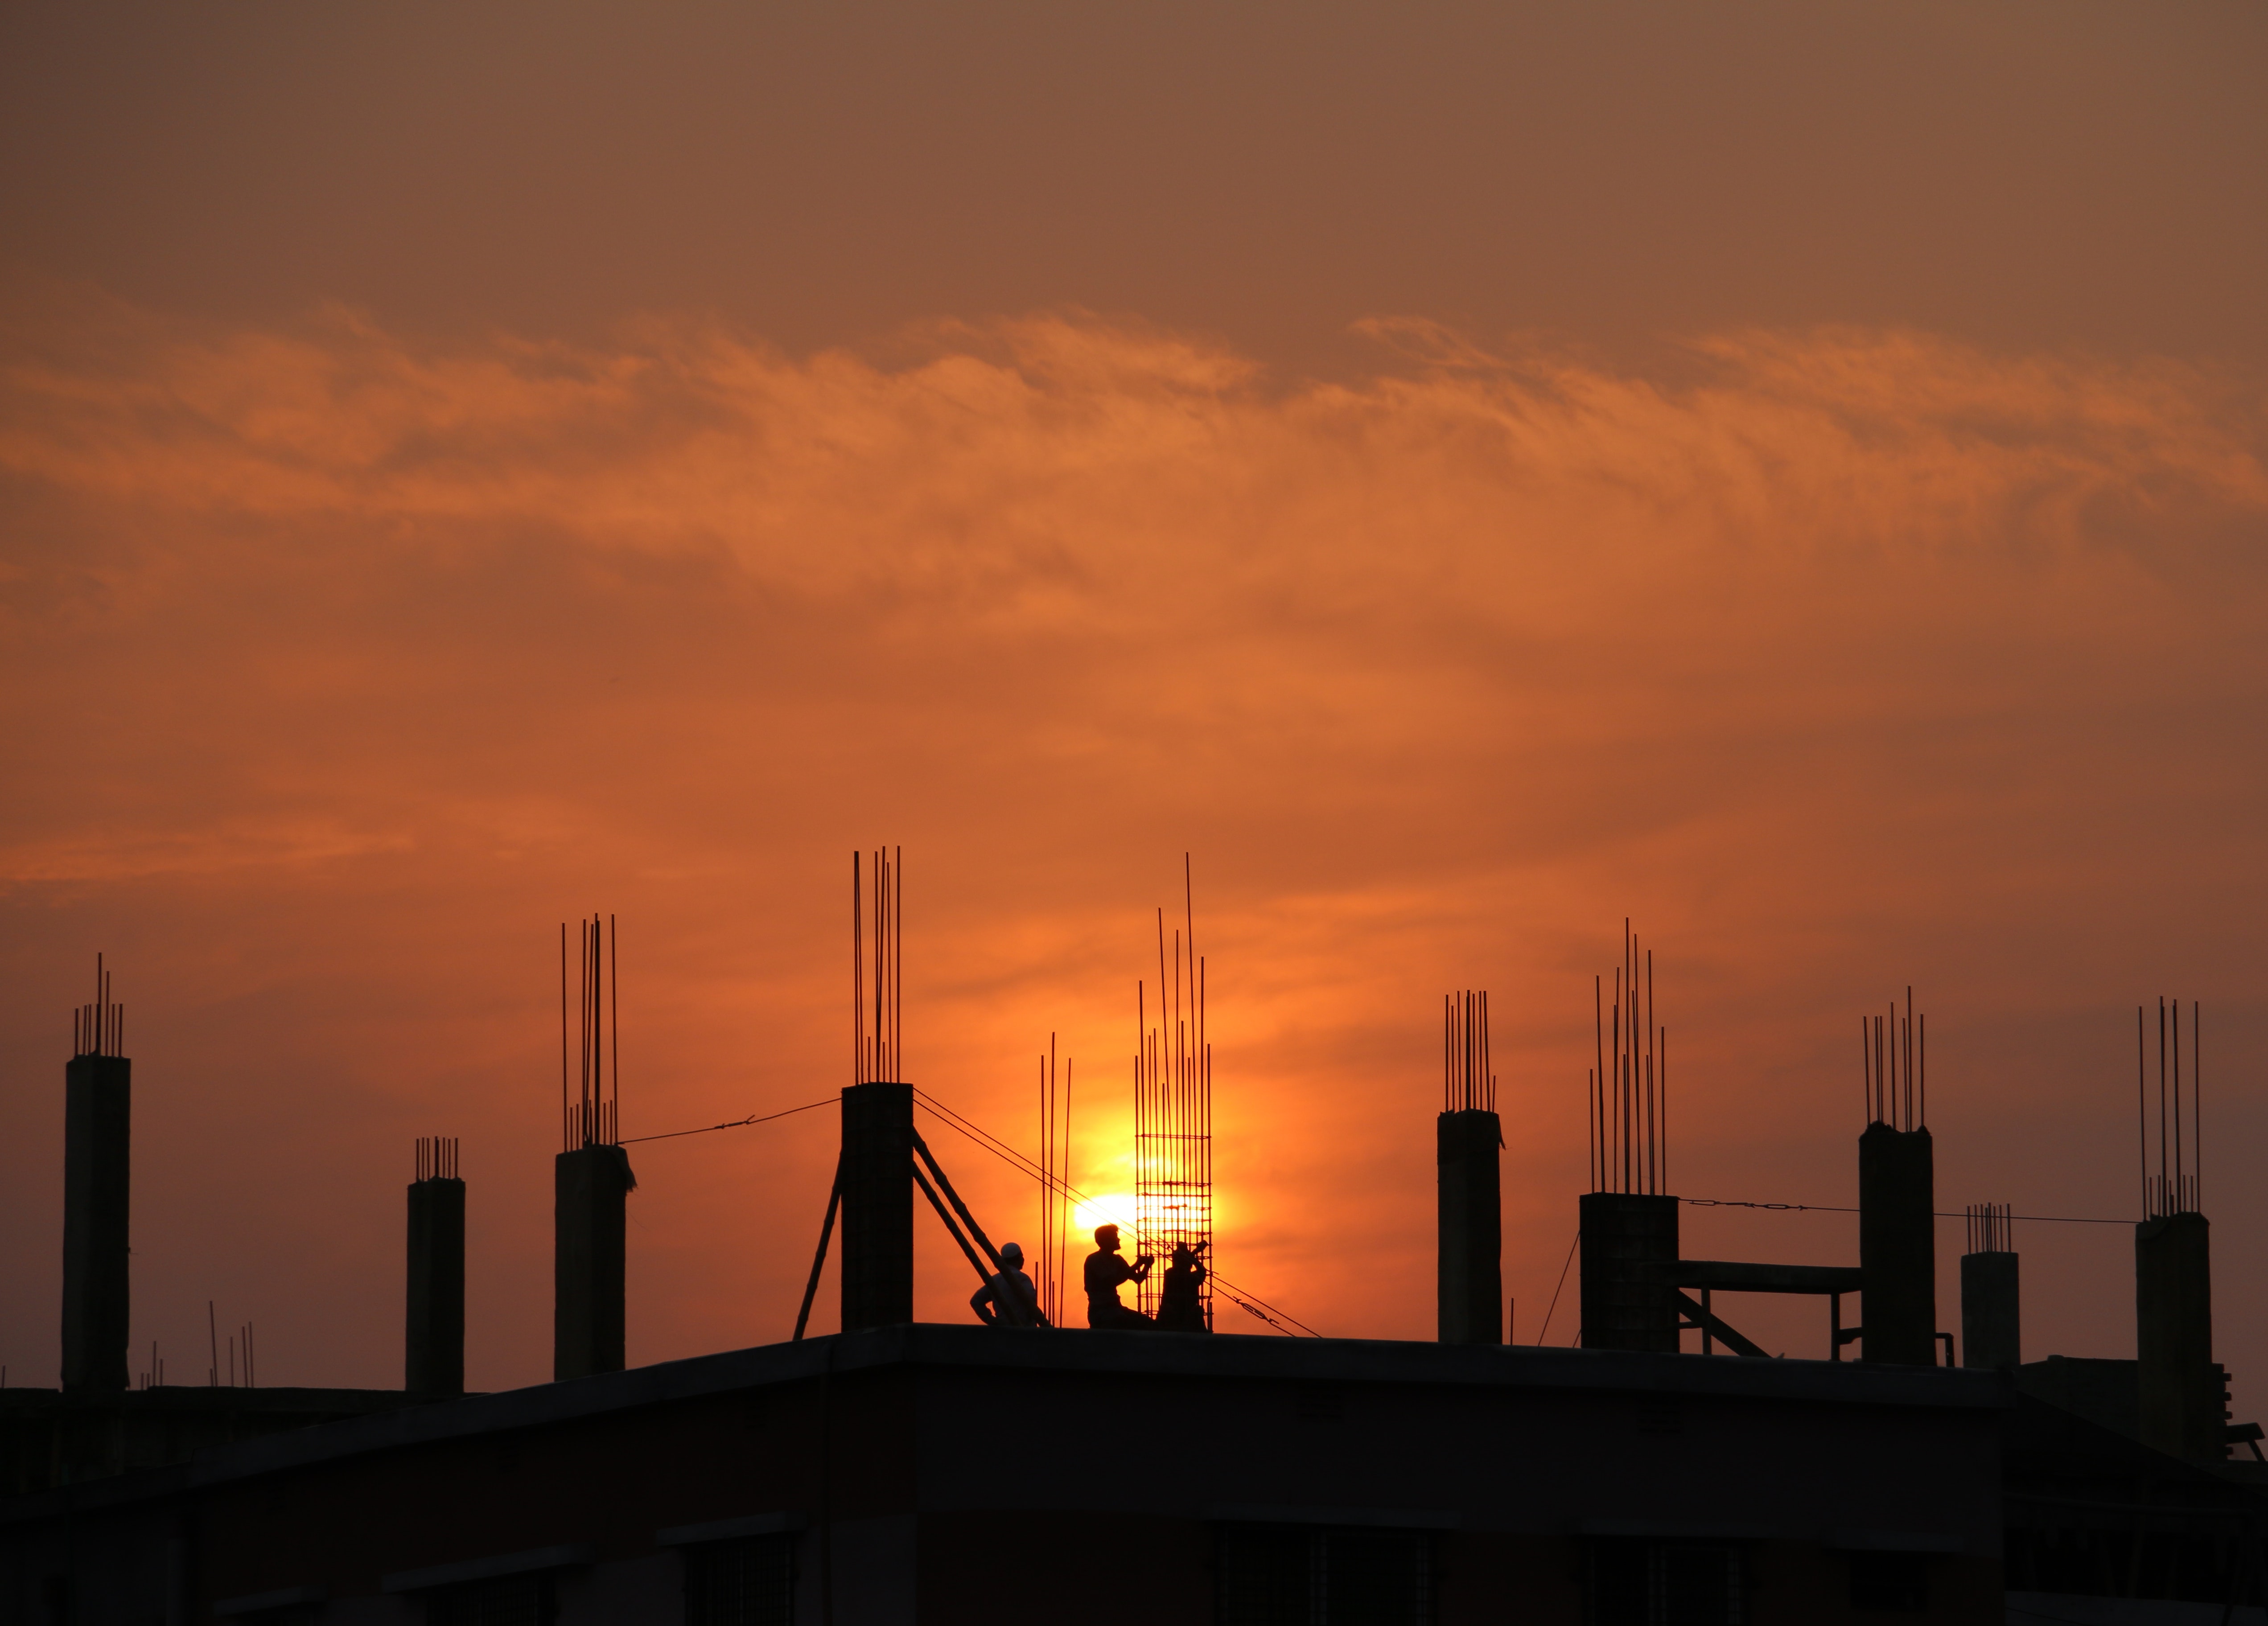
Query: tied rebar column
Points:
[1173, 1113]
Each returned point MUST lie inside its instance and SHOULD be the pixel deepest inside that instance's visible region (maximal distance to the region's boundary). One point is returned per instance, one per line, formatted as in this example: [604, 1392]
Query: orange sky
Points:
[1796, 483]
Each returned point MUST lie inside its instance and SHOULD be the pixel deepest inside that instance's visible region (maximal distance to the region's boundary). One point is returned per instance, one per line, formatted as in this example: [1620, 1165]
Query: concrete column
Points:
[2178, 1386]
[1897, 1245]
[434, 1326]
[97, 1119]
[1623, 1233]
[878, 1205]
[1990, 1331]
[590, 1186]
[1470, 1275]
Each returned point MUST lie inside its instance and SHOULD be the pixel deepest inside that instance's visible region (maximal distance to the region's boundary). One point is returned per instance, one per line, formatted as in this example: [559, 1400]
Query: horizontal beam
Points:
[1719, 1275]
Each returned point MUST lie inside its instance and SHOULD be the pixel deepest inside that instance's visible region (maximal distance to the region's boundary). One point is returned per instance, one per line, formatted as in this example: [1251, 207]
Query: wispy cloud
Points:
[1840, 658]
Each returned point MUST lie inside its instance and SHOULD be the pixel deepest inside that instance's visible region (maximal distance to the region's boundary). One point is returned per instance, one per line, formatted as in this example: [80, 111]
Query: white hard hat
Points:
[1012, 1254]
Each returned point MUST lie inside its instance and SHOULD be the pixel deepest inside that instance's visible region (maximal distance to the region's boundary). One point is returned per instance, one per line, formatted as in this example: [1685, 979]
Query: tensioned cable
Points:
[1554, 1310]
[737, 1123]
[1823, 1208]
[1000, 1149]
[1236, 1295]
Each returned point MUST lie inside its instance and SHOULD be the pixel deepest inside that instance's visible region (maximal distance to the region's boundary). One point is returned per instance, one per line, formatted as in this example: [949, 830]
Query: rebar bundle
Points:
[2178, 1187]
[1630, 1086]
[1468, 1077]
[1056, 1205]
[1893, 1063]
[876, 1028]
[591, 1115]
[1992, 1228]
[99, 1029]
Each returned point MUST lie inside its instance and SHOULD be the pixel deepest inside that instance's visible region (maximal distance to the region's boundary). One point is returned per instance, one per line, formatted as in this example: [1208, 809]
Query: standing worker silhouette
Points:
[1106, 1271]
[1179, 1310]
[1008, 1299]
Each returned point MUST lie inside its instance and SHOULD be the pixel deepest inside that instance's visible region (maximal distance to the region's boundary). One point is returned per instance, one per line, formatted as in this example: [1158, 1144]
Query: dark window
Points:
[1889, 1581]
[1271, 1576]
[510, 1601]
[749, 1582]
[1637, 1583]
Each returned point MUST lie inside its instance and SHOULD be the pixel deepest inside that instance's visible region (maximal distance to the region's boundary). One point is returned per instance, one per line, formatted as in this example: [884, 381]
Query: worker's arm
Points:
[980, 1301]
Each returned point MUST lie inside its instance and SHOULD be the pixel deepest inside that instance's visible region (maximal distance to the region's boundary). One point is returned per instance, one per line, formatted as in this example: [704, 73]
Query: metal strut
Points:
[818, 1259]
[922, 1151]
[946, 1214]
[1708, 1321]
[952, 1229]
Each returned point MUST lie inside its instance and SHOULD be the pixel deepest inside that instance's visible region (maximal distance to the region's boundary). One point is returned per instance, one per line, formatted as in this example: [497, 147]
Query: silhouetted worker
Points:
[1179, 1310]
[1008, 1299]
[1106, 1272]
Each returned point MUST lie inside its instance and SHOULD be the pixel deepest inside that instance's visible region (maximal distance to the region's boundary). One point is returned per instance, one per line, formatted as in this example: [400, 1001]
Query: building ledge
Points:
[1338, 1361]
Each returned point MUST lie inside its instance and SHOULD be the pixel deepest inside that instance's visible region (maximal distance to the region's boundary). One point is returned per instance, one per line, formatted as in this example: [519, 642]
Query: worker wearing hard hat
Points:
[1008, 1299]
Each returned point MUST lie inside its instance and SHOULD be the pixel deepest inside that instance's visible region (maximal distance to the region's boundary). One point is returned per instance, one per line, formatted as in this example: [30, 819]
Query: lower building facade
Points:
[946, 1474]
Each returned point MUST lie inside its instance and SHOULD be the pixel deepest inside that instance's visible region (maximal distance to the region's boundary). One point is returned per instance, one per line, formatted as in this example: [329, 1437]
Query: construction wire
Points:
[1825, 1208]
[737, 1123]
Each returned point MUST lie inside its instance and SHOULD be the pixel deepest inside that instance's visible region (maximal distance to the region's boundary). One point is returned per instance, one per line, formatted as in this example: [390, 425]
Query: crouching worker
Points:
[1180, 1308]
[1008, 1299]
[1105, 1273]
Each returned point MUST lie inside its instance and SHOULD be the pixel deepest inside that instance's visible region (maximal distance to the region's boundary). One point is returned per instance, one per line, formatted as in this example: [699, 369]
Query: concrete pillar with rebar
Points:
[98, 1167]
[878, 1205]
[433, 1327]
[1626, 1303]
[1469, 1263]
[1897, 1245]
[1991, 1321]
[591, 1186]
[2179, 1388]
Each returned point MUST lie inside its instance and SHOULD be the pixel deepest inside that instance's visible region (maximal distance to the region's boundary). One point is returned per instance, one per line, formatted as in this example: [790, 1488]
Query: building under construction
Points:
[1661, 1472]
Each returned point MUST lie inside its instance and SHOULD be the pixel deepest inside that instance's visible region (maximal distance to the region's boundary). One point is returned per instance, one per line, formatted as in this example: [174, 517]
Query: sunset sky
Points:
[1795, 477]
